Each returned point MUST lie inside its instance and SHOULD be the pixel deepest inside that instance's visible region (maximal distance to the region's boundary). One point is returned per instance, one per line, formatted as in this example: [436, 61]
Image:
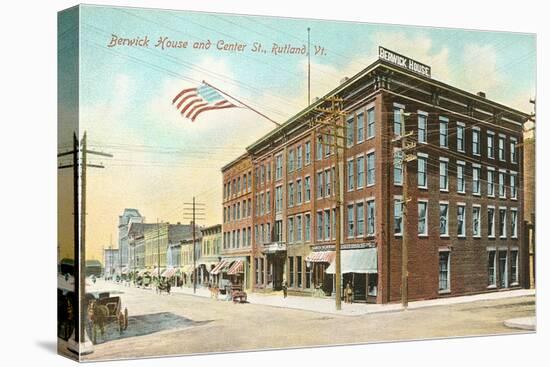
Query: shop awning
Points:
[357, 261]
[320, 257]
[237, 267]
[168, 273]
[155, 272]
[219, 267]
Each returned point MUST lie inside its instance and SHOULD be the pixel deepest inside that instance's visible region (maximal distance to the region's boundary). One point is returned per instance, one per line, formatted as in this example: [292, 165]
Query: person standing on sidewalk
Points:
[285, 289]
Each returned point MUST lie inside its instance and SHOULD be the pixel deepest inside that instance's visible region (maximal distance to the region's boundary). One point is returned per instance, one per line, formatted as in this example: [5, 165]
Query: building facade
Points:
[465, 186]
[111, 261]
[210, 252]
[128, 217]
[237, 244]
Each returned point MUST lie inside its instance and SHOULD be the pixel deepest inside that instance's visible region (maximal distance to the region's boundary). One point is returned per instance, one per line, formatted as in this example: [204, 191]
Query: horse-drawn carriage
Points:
[238, 295]
[102, 310]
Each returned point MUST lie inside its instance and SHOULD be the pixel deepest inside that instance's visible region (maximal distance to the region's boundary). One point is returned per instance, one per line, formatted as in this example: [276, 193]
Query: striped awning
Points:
[168, 273]
[155, 272]
[237, 267]
[219, 267]
[320, 257]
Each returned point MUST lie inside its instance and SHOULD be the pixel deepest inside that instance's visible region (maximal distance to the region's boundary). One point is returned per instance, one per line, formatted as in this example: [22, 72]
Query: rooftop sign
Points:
[404, 62]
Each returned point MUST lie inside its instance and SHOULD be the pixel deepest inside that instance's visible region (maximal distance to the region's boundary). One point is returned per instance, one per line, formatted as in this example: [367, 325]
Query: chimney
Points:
[481, 94]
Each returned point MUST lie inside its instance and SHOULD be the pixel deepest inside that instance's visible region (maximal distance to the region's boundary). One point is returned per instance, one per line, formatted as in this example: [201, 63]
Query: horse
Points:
[97, 316]
[164, 287]
[214, 291]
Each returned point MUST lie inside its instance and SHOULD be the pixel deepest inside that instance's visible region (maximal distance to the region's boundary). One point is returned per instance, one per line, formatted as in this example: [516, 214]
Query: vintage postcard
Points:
[236, 183]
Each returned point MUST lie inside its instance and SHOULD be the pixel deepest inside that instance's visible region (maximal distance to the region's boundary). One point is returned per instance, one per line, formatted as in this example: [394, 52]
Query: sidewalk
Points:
[326, 305]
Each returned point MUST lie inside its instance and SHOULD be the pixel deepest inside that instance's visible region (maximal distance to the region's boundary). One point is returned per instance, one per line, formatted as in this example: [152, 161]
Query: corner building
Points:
[465, 187]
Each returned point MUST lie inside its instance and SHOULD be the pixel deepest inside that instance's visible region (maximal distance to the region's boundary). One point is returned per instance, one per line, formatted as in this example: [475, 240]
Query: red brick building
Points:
[465, 213]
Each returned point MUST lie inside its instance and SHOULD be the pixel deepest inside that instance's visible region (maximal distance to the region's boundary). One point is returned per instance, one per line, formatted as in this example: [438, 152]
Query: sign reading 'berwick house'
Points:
[404, 62]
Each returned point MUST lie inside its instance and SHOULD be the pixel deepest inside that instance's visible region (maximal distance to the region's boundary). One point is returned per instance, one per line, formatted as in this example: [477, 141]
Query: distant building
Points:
[111, 261]
[136, 242]
[128, 217]
[210, 251]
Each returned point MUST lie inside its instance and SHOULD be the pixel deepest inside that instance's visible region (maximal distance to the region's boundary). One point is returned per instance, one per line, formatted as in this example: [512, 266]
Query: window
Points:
[444, 219]
[501, 144]
[319, 148]
[360, 220]
[328, 182]
[423, 218]
[308, 152]
[351, 221]
[290, 230]
[278, 199]
[490, 144]
[360, 127]
[475, 141]
[460, 181]
[351, 177]
[397, 120]
[398, 216]
[491, 268]
[371, 169]
[491, 222]
[349, 131]
[307, 189]
[443, 132]
[460, 133]
[370, 123]
[476, 221]
[291, 271]
[298, 191]
[444, 268]
[503, 269]
[327, 224]
[267, 202]
[422, 172]
[307, 229]
[360, 172]
[370, 217]
[502, 222]
[278, 231]
[328, 144]
[514, 267]
[299, 271]
[514, 222]
[397, 167]
[422, 126]
[290, 194]
[298, 228]
[476, 185]
[319, 226]
[461, 220]
[299, 157]
[513, 188]
[278, 167]
[490, 182]
[290, 160]
[501, 186]
[269, 171]
[443, 175]
[513, 152]
[319, 185]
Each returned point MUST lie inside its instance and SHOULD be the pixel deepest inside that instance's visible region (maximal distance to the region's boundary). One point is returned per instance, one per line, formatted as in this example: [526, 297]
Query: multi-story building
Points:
[111, 261]
[160, 239]
[128, 217]
[210, 252]
[464, 189]
[237, 219]
[136, 244]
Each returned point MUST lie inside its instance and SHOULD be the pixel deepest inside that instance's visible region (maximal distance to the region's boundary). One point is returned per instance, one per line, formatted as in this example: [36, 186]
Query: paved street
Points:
[182, 324]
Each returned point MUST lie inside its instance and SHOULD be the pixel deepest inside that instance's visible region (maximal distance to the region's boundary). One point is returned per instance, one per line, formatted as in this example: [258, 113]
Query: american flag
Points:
[191, 102]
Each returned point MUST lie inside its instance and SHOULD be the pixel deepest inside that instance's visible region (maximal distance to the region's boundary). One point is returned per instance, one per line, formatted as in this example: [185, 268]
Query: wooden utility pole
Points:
[334, 120]
[193, 213]
[408, 145]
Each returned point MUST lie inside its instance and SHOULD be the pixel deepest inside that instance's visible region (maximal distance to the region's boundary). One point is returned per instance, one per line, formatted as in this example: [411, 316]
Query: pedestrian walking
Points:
[349, 293]
[285, 289]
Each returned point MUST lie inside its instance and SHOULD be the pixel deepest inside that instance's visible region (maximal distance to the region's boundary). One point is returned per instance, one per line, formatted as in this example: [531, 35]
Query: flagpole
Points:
[244, 104]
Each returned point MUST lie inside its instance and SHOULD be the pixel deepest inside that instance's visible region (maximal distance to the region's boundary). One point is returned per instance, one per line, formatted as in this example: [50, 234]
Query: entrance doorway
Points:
[276, 270]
